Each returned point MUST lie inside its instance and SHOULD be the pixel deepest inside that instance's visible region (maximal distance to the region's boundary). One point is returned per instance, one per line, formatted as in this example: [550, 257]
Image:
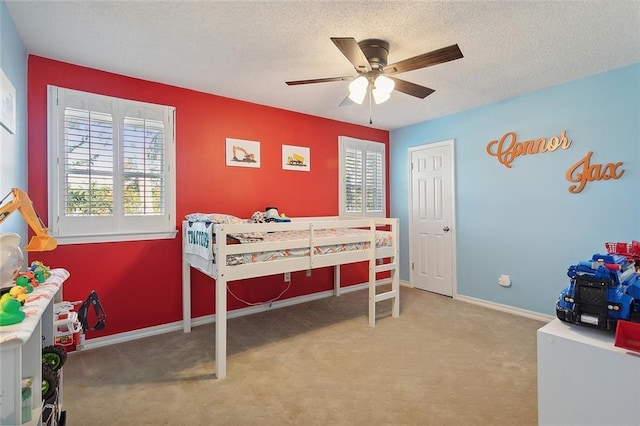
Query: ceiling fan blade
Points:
[346, 102]
[435, 57]
[411, 88]
[319, 80]
[350, 49]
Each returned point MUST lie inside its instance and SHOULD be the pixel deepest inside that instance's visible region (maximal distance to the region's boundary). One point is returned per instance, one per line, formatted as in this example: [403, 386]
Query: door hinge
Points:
[412, 266]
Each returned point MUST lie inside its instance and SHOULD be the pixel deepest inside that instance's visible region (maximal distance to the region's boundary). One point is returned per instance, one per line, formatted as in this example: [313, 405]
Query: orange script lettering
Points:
[508, 148]
[583, 171]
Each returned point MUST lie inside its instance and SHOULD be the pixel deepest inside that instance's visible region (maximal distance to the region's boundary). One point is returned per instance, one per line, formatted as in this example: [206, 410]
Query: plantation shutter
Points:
[88, 161]
[353, 179]
[143, 165]
[374, 182]
[112, 168]
[362, 178]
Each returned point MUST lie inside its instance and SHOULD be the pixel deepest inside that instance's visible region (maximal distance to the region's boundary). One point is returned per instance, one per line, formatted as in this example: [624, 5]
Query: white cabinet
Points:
[21, 351]
[583, 379]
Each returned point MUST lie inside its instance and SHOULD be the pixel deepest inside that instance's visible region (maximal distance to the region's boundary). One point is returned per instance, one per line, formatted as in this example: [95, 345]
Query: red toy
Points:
[630, 250]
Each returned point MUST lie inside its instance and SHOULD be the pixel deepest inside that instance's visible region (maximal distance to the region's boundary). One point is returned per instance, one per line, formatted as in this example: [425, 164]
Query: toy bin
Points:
[628, 335]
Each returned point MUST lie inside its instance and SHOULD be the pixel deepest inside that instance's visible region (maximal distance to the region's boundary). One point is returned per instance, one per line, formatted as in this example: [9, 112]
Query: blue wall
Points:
[523, 221]
[13, 147]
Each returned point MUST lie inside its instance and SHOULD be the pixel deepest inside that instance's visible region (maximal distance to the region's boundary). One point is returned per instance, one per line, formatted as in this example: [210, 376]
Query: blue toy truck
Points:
[601, 292]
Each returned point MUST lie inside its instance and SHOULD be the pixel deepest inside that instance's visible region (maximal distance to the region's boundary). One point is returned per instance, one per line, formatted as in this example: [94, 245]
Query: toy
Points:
[26, 280]
[70, 326]
[19, 293]
[601, 292]
[630, 250]
[10, 312]
[42, 241]
[40, 271]
[272, 215]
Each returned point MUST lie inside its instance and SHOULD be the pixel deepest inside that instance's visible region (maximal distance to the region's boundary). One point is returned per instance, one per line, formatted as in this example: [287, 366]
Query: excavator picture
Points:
[42, 241]
[248, 157]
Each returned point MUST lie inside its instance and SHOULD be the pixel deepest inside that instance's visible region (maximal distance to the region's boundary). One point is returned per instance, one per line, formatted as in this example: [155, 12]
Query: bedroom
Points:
[522, 221]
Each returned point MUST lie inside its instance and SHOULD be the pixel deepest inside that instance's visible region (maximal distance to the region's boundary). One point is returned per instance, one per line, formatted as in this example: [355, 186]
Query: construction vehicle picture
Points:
[42, 241]
[295, 160]
[247, 158]
[601, 292]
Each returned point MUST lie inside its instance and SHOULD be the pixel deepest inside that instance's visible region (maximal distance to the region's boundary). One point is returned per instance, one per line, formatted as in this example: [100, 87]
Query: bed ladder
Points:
[394, 293]
[391, 267]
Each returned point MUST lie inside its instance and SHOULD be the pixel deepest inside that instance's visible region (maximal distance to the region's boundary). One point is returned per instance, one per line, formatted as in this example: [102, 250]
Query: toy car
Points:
[601, 292]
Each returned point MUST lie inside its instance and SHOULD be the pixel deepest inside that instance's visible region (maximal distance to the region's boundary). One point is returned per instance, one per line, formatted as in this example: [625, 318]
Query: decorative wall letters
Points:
[508, 148]
[583, 171]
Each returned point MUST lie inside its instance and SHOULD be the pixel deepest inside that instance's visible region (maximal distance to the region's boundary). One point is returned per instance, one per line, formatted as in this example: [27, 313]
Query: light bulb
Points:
[358, 89]
[383, 86]
[379, 96]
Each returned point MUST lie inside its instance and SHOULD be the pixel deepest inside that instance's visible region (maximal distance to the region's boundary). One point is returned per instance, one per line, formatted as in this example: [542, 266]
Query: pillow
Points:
[214, 218]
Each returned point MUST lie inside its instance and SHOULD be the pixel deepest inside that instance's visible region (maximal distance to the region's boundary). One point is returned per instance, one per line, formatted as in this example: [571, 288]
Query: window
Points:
[111, 168]
[362, 178]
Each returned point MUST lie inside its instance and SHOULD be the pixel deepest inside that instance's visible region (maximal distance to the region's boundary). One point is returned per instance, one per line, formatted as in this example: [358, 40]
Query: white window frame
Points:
[344, 143]
[118, 227]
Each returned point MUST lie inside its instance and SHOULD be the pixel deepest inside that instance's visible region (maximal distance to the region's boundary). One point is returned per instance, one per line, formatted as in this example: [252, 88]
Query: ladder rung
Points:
[386, 267]
[386, 295]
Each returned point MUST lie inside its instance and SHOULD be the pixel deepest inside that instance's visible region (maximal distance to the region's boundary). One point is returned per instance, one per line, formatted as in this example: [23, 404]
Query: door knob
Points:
[445, 229]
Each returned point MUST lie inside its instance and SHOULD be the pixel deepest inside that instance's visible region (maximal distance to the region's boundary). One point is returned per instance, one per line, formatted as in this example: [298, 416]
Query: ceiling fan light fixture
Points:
[382, 88]
[358, 89]
[379, 96]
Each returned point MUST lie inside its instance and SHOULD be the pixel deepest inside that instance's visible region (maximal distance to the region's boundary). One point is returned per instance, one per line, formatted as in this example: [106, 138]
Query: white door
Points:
[431, 239]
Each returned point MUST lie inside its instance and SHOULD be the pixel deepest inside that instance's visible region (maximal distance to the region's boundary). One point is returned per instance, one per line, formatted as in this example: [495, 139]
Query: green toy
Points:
[40, 271]
[10, 312]
[24, 281]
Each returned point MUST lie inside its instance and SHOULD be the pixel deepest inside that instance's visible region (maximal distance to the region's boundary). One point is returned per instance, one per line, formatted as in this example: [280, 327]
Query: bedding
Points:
[201, 238]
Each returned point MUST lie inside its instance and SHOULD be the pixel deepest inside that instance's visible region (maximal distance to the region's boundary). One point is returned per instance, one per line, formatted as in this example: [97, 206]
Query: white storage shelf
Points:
[21, 350]
[583, 379]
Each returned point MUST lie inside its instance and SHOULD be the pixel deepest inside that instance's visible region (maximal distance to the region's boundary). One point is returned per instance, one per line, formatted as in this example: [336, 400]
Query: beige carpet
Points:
[443, 362]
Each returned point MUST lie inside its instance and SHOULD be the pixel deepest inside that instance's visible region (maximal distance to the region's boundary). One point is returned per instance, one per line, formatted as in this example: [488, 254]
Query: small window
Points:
[111, 168]
[362, 178]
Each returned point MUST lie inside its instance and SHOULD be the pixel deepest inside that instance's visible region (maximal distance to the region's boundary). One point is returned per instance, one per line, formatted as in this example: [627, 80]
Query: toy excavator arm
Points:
[21, 202]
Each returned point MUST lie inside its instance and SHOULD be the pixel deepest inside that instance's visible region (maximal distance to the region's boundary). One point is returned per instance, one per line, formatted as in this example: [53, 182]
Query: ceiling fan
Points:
[369, 57]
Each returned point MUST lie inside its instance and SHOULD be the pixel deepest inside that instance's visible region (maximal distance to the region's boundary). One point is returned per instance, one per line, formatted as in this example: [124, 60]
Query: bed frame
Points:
[223, 273]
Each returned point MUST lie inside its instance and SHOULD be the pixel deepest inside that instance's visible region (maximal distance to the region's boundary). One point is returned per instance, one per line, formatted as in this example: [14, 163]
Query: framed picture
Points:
[296, 158]
[7, 103]
[242, 153]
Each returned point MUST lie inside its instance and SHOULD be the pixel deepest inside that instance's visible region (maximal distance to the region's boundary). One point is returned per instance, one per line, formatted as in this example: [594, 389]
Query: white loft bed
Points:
[357, 242]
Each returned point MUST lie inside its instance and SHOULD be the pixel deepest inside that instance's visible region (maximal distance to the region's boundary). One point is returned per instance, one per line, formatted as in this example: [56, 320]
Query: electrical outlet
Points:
[504, 281]
[287, 277]
[308, 272]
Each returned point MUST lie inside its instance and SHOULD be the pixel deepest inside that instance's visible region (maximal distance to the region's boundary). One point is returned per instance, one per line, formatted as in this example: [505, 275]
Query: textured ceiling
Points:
[247, 50]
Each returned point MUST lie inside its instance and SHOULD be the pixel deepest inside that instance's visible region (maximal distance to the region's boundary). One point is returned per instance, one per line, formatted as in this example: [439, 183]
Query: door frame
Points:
[450, 143]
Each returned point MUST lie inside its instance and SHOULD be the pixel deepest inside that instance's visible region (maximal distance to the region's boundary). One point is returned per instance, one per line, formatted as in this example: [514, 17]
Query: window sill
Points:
[112, 238]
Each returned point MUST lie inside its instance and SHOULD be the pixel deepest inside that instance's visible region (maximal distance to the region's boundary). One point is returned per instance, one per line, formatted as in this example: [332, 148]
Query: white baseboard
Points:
[208, 319]
[497, 306]
[505, 308]
[127, 336]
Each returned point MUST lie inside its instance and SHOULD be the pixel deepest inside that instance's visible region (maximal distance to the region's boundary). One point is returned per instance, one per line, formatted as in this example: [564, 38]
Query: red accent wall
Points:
[139, 283]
